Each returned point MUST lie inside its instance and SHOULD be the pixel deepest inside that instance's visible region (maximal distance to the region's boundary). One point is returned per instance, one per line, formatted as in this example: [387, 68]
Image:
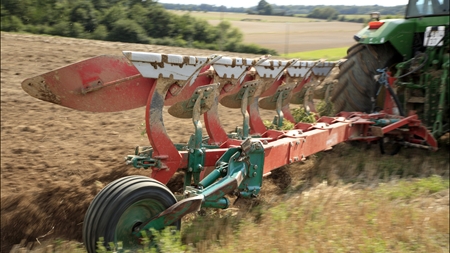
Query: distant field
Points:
[232, 16]
[287, 34]
[366, 16]
[355, 16]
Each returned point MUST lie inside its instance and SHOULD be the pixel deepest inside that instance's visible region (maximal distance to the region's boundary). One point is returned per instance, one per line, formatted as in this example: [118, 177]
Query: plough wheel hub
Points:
[121, 207]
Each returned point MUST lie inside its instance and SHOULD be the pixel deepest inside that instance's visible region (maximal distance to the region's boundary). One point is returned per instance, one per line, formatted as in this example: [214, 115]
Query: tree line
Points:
[203, 8]
[135, 21]
[265, 8]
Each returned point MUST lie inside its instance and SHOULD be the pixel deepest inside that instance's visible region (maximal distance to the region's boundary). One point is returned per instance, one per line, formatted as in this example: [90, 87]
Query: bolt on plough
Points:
[219, 163]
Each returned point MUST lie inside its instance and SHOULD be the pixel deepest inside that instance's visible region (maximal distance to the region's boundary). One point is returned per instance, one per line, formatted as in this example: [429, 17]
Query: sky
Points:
[250, 3]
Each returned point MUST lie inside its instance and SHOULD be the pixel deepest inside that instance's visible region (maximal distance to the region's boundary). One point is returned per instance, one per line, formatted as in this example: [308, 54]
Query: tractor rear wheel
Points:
[356, 85]
[122, 206]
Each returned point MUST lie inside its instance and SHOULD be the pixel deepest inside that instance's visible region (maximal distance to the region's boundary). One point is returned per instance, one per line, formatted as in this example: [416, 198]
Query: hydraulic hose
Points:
[384, 81]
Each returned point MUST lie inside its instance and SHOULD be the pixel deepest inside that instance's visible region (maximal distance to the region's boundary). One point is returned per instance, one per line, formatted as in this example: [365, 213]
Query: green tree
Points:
[11, 24]
[68, 29]
[324, 13]
[201, 30]
[268, 9]
[19, 8]
[100, 33]
[188, 33]
[264, 8]
[61, 11]
[261, 5]
[85, 14]
[112, 15]
[136, 12]
[127, 30]
[100, 4]
[158, 21]
[145, 3]
[47, 12]
[4, 12]
[76, 30]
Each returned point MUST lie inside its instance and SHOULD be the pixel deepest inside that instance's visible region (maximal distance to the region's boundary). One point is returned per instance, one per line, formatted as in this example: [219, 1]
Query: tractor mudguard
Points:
[399, 32]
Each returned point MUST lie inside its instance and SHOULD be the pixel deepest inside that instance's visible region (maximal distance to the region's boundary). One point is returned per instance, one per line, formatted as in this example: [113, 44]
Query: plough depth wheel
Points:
[121, 207]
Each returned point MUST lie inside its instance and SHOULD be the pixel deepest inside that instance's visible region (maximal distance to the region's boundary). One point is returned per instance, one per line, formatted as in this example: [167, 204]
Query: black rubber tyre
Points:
[356, 84]
[120, 207]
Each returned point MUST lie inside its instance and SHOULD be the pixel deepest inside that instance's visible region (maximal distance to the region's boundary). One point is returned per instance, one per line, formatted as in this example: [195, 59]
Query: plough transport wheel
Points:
[122, 206]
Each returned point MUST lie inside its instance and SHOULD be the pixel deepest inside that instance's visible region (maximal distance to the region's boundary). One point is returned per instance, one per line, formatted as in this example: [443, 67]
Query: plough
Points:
[220, 163]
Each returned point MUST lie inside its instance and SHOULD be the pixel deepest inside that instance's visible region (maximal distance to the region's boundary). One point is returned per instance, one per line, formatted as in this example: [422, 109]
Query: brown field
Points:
[51, 155]
[301, 36]
[288, 34]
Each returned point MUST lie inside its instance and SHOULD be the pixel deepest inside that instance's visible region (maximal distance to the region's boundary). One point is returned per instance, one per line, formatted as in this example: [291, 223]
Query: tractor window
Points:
[418, 8]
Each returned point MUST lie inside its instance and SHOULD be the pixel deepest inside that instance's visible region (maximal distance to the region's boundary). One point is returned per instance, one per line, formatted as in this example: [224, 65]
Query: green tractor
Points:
[413, 53]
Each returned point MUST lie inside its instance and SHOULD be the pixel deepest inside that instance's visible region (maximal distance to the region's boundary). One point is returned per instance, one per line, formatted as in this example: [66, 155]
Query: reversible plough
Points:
[221, 163]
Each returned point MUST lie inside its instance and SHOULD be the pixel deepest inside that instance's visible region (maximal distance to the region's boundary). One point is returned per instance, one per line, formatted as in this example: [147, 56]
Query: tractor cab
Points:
[420, 8]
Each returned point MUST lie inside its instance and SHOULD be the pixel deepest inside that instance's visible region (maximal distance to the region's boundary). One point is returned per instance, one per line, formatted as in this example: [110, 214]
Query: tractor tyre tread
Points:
[356, 84]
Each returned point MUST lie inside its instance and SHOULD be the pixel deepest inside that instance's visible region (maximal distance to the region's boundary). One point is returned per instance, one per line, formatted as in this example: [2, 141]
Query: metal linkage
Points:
[238, 169]
[242, 83]
[425, 84]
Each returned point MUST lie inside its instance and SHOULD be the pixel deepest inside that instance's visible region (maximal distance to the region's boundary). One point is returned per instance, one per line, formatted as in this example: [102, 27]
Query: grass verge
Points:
[394, 217]
[331, 54]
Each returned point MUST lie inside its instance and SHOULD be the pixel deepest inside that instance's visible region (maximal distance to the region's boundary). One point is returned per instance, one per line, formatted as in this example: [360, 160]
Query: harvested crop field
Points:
[298, 37]
[54, 160]
[286, 34]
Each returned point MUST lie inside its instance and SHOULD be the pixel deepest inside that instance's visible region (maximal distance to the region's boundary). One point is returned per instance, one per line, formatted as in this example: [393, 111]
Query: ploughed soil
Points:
[54, 160]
